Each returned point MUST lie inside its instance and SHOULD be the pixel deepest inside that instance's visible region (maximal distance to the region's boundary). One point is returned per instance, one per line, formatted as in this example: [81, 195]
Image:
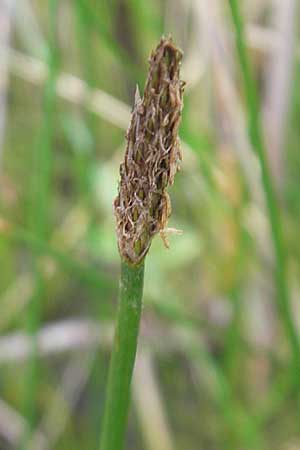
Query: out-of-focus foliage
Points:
[214, 369]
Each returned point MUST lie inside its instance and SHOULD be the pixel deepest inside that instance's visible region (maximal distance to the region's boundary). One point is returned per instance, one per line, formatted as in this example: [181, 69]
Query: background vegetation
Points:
[217, 362]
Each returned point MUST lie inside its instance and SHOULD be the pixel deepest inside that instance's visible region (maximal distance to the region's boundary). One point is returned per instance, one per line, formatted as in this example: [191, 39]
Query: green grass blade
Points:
[256, 138]
[39, 223]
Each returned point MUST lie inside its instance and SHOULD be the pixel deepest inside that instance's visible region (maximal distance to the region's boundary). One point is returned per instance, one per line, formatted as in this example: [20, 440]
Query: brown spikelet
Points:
[152, 156]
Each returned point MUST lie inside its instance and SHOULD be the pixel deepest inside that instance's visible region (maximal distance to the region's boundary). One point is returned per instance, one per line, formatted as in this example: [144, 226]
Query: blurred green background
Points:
[215, 368]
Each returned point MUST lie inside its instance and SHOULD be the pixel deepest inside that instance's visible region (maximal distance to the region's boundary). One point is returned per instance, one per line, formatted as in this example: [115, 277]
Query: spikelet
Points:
[152, 156]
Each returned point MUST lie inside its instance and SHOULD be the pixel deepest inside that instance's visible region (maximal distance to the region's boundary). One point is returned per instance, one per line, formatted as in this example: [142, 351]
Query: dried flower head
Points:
[152, 156]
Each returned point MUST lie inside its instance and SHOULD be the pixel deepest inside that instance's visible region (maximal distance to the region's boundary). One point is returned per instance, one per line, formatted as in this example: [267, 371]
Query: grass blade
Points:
[256, 138]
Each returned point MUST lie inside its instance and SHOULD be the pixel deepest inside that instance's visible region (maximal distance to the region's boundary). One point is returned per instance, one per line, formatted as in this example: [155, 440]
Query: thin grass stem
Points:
[256, 138]
[123, 357]
[142, 208]
[39, 222]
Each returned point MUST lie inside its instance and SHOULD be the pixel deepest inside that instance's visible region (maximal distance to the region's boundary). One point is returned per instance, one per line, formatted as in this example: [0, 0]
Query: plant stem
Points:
[39, 224]
[256, 138]
[123, 357]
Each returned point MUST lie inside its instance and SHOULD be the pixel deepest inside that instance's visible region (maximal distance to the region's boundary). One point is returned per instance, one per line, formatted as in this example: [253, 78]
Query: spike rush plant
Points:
[142, 209]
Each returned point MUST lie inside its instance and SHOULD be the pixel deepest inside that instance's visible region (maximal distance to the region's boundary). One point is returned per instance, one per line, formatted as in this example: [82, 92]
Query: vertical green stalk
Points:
[84, 157]
[123, 357]
[142, 208]
[39, 224]
[256, 138]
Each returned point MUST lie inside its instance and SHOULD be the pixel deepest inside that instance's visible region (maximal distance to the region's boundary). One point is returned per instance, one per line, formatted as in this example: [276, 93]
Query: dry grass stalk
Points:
[152, 157]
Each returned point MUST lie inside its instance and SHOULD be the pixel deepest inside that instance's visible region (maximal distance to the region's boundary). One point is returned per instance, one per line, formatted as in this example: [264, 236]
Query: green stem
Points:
[39, 223]
[256, 138]
[123, 357]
